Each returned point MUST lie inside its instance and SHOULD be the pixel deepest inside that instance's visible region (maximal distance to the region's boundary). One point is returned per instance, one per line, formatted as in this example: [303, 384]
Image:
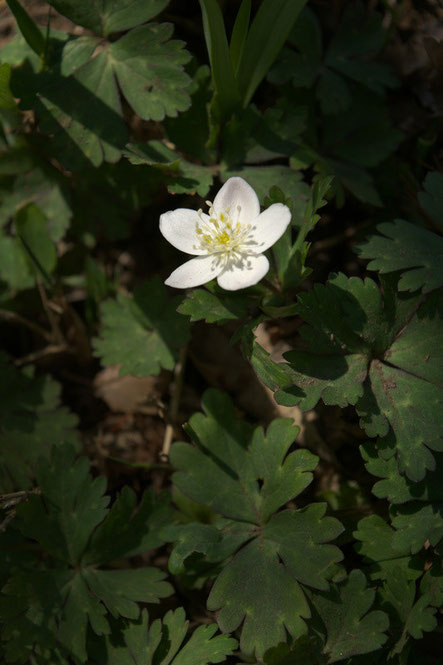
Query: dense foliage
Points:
[203, 475]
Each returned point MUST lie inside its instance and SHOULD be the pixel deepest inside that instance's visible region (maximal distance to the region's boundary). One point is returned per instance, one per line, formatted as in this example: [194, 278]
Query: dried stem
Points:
[177, 386]
[56, 332]
[12, 317]
[12, 499]
[50, 350]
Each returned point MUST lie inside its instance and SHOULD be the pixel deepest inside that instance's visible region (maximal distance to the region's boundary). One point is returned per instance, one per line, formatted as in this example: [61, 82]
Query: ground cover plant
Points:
[220, 377]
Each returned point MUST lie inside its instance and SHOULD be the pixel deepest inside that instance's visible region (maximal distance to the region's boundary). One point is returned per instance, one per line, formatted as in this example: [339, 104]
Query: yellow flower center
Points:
[223, 233]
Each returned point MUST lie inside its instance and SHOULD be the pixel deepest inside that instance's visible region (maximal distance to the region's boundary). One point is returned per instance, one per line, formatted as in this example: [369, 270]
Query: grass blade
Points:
[217, 44]
[240, 33]
[269, 31]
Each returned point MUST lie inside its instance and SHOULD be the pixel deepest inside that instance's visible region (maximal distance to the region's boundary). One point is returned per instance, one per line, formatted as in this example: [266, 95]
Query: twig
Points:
[12, 317]
[50, 350]
[12, 499]
[140, 465]
[177, 386]
[57, 335]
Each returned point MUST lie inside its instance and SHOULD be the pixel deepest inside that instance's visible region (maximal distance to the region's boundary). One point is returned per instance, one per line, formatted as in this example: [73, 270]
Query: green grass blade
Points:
[269, 31]
[217, 44]
[240, 33]
[30, 31]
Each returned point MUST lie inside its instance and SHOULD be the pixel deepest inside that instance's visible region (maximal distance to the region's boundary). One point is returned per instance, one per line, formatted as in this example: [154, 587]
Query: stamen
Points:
[219, 234]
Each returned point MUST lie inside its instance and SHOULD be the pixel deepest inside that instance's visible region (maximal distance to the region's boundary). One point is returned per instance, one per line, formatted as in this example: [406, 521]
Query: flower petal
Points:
[241, 275]
[236, 192]
[194, 272]
[270, 225]
[179, 228]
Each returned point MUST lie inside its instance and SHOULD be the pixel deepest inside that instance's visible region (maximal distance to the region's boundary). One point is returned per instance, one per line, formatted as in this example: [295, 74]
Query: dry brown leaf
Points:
[129, 394]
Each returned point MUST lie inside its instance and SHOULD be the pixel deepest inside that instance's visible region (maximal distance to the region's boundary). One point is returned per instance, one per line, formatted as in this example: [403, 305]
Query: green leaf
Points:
[271, 373]
[377, 547]
[387, 399]
[29, 606]
[431, 199]
[149, 71]
[108, 16]
[432, 583]
[358, 36]
[404, 246]
[409, 616]
[27, 27]
[189, 538]
[32, 423]
[359, 182]
[6, 97]
[291, 258]
[260, 588]
[418, 524]
[257, 591]
[98, 285]
[214, 307]
[163, 643]
[269, 31]
[120, 590]
[64, 602]
[180, 176]
[360, 33]
[302, 536]
[51, 606]
[153, 153]
[334, 94]
[362, 135]
[72, 507]
[334, 368]
[351, 628]
[396, 487]
[359, 356]
[223, 471]
[303, 651]
[15, 268]
[239, 34]
[262, 178]
[303, 67]
[82, 112]
[222, 70]
[203, 648]
[30, 225]
[190, 130]
[138, 528]
[143, 333]
[42, 186]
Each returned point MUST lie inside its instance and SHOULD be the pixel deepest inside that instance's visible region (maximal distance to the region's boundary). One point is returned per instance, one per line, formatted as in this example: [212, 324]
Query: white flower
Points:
[228, 242]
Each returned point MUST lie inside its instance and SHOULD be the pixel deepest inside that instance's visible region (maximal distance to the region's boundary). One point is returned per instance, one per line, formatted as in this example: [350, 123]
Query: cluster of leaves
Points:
[99, 123]
[68, 587]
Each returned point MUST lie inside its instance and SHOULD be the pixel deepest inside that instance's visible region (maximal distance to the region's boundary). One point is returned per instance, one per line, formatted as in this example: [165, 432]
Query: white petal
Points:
[248, 273]
[194, 272]
[236, 192]
[270, 225]
[179, 228]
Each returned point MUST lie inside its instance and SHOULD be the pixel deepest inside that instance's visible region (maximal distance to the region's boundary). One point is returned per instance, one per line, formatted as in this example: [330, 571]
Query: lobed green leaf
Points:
[406, 247]
[107, 16]
[142, 334]
[351, 628]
